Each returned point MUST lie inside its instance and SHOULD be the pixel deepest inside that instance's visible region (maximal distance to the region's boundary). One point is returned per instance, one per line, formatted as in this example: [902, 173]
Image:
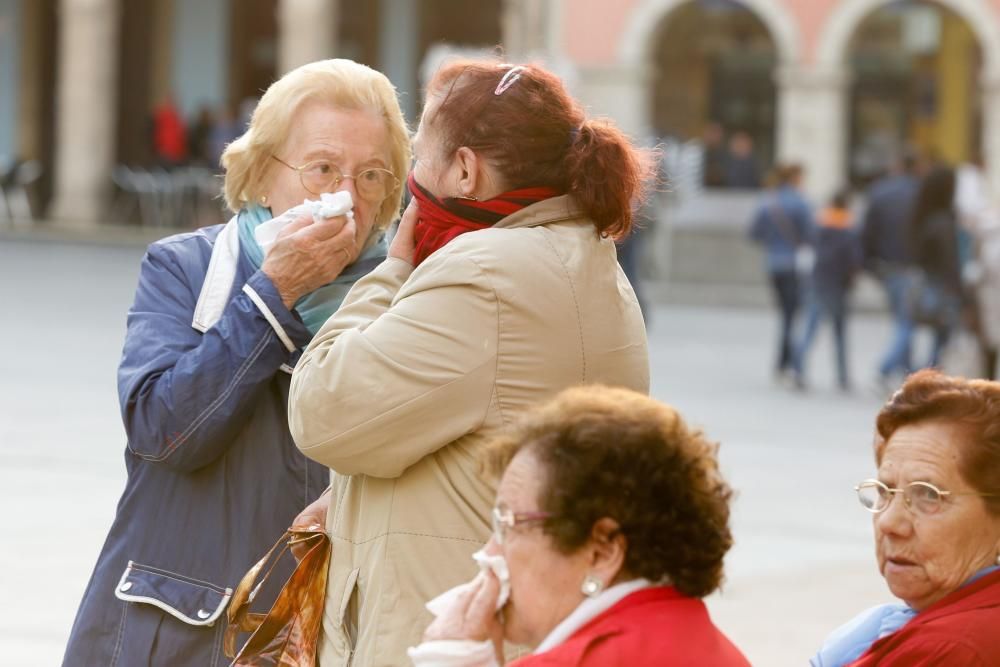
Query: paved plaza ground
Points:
[803, 559]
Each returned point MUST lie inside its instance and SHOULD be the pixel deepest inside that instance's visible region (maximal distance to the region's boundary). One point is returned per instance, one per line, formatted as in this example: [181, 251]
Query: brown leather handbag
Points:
[288, 634]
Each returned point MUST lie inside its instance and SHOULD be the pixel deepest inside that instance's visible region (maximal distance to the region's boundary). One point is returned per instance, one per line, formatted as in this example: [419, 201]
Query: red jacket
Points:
[960, 630]
[654, 626]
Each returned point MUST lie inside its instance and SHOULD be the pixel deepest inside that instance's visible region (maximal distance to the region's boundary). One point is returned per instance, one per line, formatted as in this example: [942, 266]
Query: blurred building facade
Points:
[841, 86]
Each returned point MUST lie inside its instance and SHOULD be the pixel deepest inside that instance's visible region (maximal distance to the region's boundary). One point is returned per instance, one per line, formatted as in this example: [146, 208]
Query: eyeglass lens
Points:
[371, 184]
[919, 496]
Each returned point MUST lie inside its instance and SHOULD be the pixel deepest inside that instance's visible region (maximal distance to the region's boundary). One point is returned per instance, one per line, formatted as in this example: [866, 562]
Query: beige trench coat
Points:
[400, 389]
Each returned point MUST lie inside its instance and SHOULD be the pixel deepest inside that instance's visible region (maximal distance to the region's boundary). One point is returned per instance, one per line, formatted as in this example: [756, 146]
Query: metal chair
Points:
[15, 191]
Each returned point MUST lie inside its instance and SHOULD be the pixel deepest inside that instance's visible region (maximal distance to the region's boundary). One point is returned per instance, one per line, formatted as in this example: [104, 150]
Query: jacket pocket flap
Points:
[190, 600]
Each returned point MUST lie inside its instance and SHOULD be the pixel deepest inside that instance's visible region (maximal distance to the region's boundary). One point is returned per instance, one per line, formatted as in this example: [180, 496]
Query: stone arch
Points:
[847, 15]
[646, 19]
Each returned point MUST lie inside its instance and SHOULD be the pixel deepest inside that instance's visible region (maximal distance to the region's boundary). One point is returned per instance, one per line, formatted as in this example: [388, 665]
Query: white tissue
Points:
[438, 605]
[330, 205]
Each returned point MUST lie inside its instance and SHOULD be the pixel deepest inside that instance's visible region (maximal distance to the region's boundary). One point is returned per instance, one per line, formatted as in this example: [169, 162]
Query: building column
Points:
[397, 41]
[526, 26]
[86, 101]
[991, 132]
[307, 31]
[812, 125]
[10, 70]
[617, 91]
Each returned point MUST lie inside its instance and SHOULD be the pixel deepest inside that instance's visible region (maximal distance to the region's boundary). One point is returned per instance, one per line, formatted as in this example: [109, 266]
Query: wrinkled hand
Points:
[307, 255]
[403, 243]
[473, 615]
[314, 514]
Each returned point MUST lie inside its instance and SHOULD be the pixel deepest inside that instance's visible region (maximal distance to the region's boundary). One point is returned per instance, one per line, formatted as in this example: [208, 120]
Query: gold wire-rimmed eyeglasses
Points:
[920, 497]
[318, 176]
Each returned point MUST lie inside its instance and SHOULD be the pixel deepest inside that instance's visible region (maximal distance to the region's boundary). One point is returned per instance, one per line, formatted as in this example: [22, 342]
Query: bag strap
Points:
[785, 225]
[238, 615]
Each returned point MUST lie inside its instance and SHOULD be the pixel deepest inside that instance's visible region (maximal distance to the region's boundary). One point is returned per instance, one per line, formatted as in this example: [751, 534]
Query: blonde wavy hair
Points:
[341, 83]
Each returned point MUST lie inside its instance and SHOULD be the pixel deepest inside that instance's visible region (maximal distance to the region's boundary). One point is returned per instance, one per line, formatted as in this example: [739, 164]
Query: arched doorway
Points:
[713, 65]
[833, 54]
[914, 70]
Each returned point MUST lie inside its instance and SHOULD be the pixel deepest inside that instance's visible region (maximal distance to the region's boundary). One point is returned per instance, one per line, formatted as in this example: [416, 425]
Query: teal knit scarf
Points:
[316, 307]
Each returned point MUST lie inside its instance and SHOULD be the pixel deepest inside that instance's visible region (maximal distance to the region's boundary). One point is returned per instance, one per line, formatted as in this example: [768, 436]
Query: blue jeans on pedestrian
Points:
[897, 358]
[786, 290]
[830, 303]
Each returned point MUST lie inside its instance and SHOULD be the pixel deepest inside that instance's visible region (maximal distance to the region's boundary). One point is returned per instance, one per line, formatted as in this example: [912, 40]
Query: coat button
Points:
[127, 585]
[202, 614]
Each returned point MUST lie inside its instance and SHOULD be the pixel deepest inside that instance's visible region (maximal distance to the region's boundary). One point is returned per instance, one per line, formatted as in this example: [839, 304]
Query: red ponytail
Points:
[537, 136]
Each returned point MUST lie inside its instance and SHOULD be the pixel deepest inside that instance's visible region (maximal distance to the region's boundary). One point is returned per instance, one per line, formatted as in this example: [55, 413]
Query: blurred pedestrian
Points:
[714, 155]
[838, 260]
[169, 134]
[936, 295]
[981, 218]
[742, 167]
[225, 130]
[217, 323]
[783, 224]
[885, 244]
[501, 289]
[198, 137]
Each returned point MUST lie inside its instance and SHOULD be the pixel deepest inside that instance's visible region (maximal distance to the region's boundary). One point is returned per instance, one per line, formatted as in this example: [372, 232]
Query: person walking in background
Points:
[936, 298]
[169, 134]
[981, 219]
[783, 225]
[715, 156]
[838, 260]
[886, 254]
[742, 167]
[198, 137]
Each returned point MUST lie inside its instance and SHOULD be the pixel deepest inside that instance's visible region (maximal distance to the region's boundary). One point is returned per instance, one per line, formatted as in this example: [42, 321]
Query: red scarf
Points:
[441, 220]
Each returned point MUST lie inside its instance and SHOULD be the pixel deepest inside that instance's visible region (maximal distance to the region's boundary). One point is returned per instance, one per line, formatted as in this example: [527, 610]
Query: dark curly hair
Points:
[972, 406]
[618, 454]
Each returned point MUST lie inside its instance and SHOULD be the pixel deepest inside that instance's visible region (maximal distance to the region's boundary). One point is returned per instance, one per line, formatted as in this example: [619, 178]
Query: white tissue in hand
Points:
[438, 605]
[330, 205]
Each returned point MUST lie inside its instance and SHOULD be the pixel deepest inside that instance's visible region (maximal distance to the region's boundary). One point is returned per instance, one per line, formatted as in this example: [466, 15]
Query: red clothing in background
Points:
[169, 136]
[654, 626]
[960, 630]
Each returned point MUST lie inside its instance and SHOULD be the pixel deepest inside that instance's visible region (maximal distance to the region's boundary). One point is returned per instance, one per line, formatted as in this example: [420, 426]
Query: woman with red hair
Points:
[502, 288]
[935, 508]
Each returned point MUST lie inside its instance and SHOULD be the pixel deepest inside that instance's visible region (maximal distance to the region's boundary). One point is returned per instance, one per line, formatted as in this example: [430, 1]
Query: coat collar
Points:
[546, 212]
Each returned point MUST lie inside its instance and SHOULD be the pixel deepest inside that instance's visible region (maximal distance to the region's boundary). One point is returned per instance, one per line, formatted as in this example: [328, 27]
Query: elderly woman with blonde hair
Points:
[219, 320]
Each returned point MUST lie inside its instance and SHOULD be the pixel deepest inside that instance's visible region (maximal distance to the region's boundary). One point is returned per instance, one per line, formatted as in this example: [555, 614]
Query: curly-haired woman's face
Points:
[544, 583]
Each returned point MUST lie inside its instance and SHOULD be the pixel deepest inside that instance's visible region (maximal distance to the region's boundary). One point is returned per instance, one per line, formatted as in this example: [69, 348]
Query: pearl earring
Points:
[592, 586]
[263, 200]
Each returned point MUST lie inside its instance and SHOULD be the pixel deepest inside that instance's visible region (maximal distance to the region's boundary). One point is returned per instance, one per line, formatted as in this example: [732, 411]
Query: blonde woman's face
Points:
[351, 139]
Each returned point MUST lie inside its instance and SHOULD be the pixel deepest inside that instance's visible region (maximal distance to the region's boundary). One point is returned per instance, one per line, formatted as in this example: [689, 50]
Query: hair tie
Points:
[512, 75]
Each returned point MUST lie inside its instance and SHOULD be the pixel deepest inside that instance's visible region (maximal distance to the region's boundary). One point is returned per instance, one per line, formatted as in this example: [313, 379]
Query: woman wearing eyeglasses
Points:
[936, 514]
[502, 288]
[613, 521]
[217, 324]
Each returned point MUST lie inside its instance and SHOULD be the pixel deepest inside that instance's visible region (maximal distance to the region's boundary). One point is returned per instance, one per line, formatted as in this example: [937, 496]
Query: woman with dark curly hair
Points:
[612, 521]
